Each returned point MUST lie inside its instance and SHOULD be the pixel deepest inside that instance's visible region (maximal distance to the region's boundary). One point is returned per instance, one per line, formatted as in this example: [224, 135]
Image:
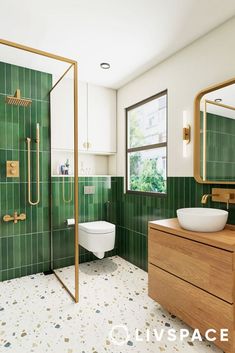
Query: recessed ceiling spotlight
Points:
[218, 100]
[105, 66]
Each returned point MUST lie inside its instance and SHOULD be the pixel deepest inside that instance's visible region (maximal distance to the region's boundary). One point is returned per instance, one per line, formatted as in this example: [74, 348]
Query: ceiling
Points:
[132, 35]
[227, 96]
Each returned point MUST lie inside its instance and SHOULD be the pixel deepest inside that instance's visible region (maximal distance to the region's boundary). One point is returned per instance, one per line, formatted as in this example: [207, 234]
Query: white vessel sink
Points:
[200, 219]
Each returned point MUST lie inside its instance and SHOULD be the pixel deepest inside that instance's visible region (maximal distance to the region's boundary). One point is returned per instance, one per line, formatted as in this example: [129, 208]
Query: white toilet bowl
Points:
[97, 237]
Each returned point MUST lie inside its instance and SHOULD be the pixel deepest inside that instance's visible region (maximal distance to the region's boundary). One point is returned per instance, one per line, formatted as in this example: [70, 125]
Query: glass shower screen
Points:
[62, 181]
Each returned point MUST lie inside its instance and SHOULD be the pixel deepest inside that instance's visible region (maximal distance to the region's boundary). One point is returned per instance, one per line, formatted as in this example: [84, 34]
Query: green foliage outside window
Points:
[149, 180]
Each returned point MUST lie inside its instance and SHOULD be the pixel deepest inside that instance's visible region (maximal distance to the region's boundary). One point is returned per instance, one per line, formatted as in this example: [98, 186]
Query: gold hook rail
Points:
[71, 191]
[37, 168]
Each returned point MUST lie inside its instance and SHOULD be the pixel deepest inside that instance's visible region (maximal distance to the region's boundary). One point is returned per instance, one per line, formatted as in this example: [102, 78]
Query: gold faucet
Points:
[223, 198]
[15, 218]
[206, 196]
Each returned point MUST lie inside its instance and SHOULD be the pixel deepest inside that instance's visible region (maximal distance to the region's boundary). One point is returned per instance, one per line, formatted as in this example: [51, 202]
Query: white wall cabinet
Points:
[62, 116]
[101, 115]
[96, 118]
[82, 116]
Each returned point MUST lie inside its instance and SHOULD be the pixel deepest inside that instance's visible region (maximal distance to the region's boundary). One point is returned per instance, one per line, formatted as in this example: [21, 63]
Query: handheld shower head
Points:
[17, 100]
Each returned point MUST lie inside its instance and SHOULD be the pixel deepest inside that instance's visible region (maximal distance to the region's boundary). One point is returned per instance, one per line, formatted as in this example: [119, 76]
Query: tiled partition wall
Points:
[129, 212]
[91, 208]
[134, 212]
[24, 247]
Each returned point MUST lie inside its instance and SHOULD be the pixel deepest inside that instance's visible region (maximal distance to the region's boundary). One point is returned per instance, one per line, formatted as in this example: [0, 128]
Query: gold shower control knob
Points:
[12, 169]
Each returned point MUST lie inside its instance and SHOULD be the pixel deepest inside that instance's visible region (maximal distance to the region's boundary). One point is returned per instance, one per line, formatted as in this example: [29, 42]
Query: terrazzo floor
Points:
[37, 315]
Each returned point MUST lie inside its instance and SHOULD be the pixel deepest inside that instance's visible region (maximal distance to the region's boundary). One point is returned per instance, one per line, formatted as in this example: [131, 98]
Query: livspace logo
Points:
[120, 335]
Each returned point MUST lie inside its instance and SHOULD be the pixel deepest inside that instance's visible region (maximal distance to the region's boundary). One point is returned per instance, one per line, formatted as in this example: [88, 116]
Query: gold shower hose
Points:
[70, 191]
[37, 168]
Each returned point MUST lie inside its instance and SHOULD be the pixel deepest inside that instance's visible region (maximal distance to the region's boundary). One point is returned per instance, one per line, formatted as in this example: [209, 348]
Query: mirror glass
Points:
[217, 135]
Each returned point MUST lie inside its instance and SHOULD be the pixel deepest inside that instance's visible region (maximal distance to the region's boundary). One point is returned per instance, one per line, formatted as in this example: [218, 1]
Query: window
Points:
[146, 145]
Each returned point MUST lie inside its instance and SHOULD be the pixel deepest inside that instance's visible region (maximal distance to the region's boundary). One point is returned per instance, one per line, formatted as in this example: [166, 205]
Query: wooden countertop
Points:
[225, 239]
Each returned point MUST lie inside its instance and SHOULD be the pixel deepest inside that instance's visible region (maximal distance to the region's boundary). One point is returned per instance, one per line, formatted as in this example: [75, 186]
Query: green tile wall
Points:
[24, 247]
[134, 212]
[91, 208]
[129, 212]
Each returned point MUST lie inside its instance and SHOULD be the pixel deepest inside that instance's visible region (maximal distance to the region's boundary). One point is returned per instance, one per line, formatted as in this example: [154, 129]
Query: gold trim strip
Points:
[204, 143]
[76, 241]
[60, 280]
[61, 78]
[36, 51]
[220, 104]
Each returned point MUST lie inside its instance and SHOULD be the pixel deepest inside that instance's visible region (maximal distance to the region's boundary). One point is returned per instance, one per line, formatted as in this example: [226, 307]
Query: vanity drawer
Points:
[205, 266]
[196, 307]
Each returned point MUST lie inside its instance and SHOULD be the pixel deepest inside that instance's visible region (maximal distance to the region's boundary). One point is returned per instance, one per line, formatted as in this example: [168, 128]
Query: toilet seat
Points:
[97, 227]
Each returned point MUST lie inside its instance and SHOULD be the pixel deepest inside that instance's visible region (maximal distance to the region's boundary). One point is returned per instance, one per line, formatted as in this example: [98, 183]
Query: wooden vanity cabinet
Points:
[192, 275]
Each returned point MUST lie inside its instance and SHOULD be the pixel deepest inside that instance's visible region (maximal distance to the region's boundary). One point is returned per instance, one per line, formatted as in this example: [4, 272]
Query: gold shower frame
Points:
[74, 65]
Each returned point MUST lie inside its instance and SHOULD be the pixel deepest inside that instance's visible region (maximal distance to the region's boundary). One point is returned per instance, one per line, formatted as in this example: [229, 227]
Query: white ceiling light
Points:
[105, 66]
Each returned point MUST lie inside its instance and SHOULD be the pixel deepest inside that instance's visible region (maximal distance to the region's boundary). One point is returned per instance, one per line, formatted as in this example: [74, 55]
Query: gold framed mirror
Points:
[214, 134]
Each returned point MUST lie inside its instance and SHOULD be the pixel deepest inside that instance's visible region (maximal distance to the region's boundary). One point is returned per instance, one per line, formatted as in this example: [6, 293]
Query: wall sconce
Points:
[186, 133]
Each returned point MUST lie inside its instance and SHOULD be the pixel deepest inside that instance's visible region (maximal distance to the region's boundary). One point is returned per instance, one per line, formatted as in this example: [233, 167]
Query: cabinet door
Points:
[101, 119]
[82, 116]
[193, 305]
[202, 265]
[62, 116]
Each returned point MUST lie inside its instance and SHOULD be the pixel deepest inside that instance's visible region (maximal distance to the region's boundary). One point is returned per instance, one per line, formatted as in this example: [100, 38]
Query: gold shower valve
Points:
[12, 168]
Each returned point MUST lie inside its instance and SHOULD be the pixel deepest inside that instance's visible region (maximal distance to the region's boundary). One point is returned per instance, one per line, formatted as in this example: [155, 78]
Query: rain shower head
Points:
[17, 100]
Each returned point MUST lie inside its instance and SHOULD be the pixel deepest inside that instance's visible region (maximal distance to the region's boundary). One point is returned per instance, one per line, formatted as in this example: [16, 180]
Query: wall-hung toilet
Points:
[97, 237]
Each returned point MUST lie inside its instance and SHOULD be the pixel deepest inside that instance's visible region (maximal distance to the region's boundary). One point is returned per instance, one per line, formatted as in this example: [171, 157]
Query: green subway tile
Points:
[16, 252]
[33, 84]
[9, 90]
[22, 81]
[14, 78]
[2, 77]
[27, 83]
[38, 85]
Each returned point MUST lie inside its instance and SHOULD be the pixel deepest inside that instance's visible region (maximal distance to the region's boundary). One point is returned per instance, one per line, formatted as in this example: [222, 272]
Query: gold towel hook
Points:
[28, 140]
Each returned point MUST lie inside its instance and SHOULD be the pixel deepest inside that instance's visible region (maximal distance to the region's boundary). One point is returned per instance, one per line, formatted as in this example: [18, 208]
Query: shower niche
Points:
[37, 91]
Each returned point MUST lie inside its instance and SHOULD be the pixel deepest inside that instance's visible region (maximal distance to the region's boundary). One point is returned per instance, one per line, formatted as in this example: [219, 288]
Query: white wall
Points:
[91, 164]
[207, 61]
